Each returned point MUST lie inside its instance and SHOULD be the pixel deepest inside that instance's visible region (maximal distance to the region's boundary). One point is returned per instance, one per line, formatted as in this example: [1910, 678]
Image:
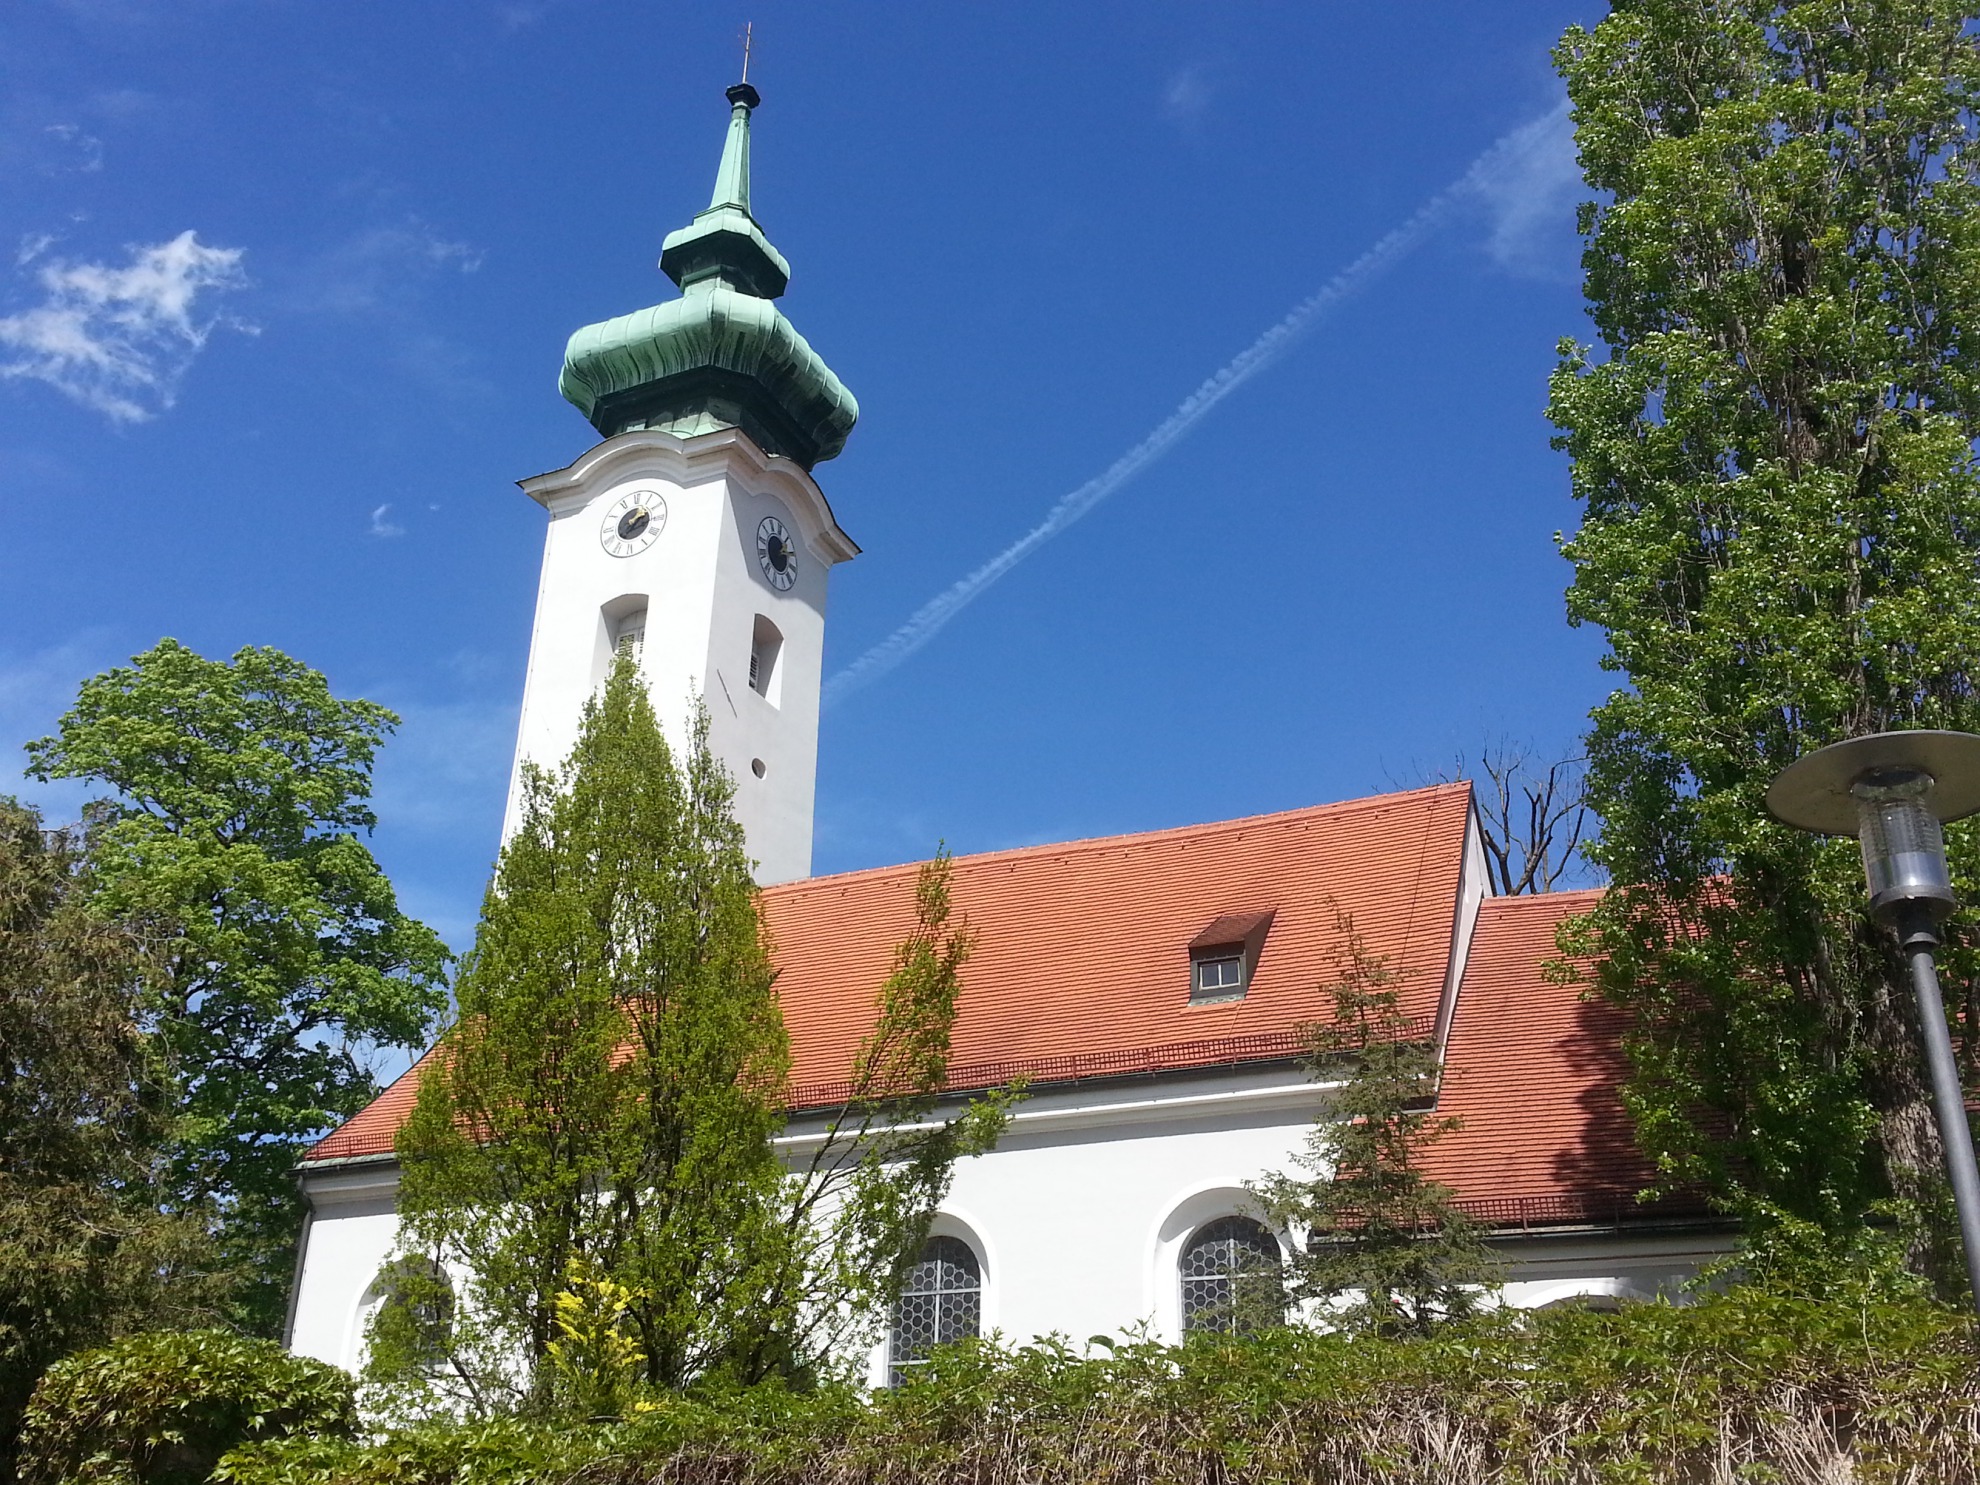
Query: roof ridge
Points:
[1136, 837]
[1516, 902]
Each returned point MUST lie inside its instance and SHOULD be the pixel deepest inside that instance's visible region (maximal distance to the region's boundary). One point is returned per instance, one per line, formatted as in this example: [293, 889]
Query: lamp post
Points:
[1893, 791]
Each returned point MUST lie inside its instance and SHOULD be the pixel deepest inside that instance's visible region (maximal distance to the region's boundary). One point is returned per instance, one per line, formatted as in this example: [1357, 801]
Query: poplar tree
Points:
[598, 1121]
[1383, 1246]
[1773, 446]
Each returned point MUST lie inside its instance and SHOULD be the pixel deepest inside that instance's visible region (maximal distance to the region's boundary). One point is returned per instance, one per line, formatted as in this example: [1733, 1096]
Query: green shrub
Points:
[160, 1409]
[1750, 1386]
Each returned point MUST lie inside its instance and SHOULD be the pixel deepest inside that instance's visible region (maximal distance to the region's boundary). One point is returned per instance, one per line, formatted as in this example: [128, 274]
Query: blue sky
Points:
[284, 289]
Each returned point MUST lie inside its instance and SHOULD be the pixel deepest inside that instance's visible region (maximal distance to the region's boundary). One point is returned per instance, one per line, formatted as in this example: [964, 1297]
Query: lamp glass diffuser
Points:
[1904, 848]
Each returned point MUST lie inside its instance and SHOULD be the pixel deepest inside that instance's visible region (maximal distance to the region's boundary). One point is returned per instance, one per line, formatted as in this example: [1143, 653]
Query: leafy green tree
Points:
[1386, 1248]
[607, 1099]
[1774, 450]
[854, 1210]
[281, 958]
[86, 1106]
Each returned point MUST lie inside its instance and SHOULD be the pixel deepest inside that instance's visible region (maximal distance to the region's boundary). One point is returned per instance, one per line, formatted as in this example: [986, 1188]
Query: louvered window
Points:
[766, 645]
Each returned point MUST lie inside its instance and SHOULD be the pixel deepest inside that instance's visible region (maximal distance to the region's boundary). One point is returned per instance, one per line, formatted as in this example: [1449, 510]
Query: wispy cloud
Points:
[870, 830]
[1530, 184]
[120, 338]
[382, 527]
[374, 267]
[35, 689]
[77, 153]
[518, 17]
[1485, 179]
[1187, 93]
[447, 770]
[390, 274]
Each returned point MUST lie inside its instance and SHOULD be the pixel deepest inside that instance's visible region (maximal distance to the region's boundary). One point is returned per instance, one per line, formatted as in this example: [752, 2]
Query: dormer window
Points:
[1224, 956]
[1218, 978]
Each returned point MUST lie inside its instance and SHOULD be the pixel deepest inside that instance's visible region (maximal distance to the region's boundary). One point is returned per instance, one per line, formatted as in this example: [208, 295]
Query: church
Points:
[1150, 988]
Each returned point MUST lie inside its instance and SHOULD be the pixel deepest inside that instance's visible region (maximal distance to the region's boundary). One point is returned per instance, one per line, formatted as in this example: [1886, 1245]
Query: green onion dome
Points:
[722, 355]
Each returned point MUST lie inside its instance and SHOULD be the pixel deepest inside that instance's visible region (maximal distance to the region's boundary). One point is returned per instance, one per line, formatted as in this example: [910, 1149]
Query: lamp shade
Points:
[1815, 793]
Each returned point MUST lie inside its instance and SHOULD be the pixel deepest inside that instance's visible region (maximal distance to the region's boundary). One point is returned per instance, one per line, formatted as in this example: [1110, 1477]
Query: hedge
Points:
[1745, 1386]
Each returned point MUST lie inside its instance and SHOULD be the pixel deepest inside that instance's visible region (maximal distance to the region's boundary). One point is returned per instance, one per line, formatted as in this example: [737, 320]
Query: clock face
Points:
[776, 554]
[633, 522]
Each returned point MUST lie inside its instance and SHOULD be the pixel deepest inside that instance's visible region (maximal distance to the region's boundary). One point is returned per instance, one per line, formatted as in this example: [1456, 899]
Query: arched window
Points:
[1232, 1278]
[942, 1302]
[411, 1308]
[621, 631]
[1601, 1304]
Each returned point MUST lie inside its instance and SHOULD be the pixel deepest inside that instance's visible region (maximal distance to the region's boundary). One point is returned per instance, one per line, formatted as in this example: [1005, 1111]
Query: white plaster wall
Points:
[1545, 1271]
[1078, 1218]
[1079, 1222]
[744, 728]
[1474, 885]
[702, 589]
[347, 1242]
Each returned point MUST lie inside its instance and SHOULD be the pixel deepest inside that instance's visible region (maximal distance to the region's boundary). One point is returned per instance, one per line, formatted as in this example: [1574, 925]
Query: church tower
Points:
[694, 535]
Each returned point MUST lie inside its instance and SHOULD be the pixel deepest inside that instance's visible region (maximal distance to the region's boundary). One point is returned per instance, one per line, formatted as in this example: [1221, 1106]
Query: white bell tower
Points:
[694, 535]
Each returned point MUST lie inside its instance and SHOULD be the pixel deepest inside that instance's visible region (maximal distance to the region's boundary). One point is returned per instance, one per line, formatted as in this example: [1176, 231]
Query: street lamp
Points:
[1893, 791]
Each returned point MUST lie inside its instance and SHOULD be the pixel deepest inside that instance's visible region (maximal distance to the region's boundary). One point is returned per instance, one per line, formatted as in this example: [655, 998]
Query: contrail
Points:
[928, 620]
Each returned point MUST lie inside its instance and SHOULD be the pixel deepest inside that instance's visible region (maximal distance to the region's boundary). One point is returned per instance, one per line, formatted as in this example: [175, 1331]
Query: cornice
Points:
[337, 1182]
[693, 461]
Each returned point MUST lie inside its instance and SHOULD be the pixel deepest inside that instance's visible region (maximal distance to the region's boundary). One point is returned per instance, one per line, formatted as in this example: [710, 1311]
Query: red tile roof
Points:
[1082, 957]
[1082, 960]
[1082, 970]
[1533, 1071]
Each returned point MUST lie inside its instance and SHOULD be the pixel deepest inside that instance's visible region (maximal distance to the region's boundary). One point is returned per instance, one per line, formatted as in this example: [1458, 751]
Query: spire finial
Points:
[748, 27]
[732, 179]
[723, 241]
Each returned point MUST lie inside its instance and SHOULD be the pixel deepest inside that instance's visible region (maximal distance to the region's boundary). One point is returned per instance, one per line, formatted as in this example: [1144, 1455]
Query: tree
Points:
[86, 1106]
[1386, 1248]
[1531, 816]
[605, 1103]
[1774, 453]
[281, 957]
[854, 1214]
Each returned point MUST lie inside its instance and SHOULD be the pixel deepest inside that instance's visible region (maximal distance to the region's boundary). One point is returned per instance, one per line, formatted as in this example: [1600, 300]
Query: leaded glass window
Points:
[1232, 1279]
[414, 1302]
[942, 1302]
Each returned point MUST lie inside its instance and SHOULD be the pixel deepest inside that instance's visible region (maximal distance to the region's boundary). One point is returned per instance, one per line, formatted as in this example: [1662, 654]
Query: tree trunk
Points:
[1914, 1156]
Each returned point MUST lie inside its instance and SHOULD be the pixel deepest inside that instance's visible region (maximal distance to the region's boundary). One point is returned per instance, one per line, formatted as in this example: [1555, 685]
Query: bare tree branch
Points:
[1531, 815]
